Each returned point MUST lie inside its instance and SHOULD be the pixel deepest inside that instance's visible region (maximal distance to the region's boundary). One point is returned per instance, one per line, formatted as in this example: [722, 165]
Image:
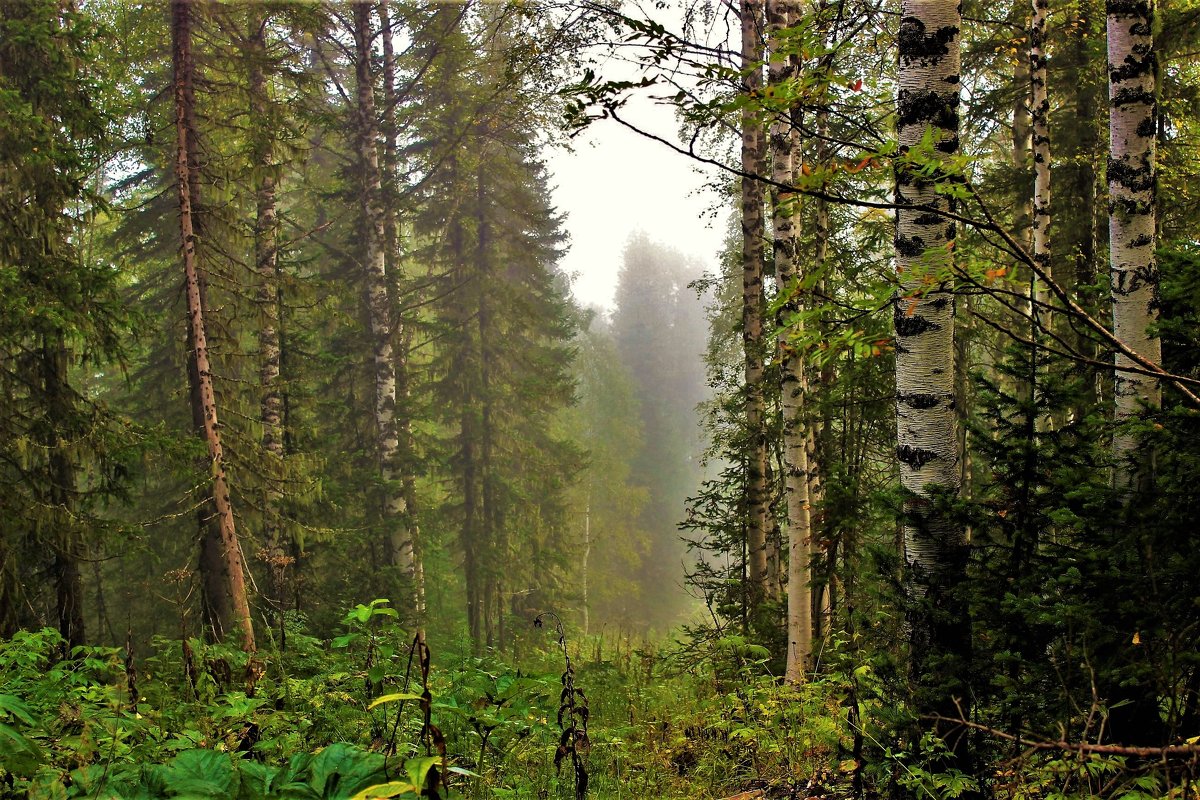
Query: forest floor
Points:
[331, 718]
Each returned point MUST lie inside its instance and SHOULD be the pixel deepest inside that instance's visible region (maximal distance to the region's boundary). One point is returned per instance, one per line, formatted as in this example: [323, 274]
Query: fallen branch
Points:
[1169, 751]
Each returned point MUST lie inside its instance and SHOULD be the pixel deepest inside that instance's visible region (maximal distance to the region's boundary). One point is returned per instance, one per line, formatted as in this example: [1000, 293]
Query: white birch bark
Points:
[935, 545]
[398, 545]
[924, 309]
[1040, 115]
[1132, 236]
[793, 378]
[753, 235]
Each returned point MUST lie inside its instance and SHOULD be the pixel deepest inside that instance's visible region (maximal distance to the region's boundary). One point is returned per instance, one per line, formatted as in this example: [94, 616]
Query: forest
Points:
[322, 477]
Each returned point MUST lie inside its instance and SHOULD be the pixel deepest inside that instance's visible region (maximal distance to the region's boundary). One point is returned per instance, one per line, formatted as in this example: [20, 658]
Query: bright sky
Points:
[617, 182]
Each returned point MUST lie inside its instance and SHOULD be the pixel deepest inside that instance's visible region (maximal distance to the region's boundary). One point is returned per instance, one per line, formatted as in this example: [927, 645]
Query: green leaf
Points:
[14, 705]
[418, 769]
[392, 698]
[389, 789]
[340, 771]
[202, 773]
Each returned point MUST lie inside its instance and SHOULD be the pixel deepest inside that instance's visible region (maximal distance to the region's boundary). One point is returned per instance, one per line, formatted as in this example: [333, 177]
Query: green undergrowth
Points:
[346, 718]
[365, 715]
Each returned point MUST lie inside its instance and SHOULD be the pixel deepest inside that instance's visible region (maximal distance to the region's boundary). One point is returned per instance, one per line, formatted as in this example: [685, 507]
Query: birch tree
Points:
[398, 546]
[1040, 118]
[1131, 222]
[926, 422]
[785, 151]
[753, 235]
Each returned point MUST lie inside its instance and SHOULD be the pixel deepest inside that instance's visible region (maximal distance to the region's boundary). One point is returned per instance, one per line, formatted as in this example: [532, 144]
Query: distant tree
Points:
[656, 326]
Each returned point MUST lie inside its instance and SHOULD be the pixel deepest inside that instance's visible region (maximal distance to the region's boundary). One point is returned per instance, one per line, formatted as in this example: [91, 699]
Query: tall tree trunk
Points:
[753, 234]
[793, 373]
[233, 596]
[215, 601]
[1022, 148]
[397, 545]
[1080, 147]
[407, 457]
[1131, 224]
[61, 493]
[1040, 118]
[266, 260]
[823, 592]
[926, 435]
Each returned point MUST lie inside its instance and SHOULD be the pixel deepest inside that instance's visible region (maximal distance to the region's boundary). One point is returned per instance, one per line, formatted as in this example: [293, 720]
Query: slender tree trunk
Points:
[492, 528]
[61, 493]
[215, 601]
[266, 260]
[1022, 147]
[587, 551]
[391, 132]
[398, 547]
[819, 379]
[229, 555]
[1080, 146]
[926, 423]
[1131, 225]
[793, 373]
[1040, 118]
[753, 234]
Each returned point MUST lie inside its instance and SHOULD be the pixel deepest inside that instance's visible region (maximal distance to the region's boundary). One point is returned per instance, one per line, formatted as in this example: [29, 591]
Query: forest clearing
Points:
[696, 399]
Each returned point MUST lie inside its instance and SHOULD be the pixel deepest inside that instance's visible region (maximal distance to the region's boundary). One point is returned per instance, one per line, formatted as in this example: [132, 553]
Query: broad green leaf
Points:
[418, 769]
[340, 771]
[390, 789]
[17, 708]
[202, 773]
[392, 698]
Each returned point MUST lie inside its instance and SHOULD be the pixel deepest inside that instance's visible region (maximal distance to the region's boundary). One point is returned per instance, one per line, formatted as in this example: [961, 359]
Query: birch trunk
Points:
[793, 378]
[266, 260]
[1131, 224]
[926, 423]
[1040, 116]
[753, 234]
[229, 555]
[398, 546]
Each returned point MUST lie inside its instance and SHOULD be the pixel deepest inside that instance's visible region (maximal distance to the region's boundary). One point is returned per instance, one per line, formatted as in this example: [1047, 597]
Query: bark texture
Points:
[1040, 117]
[793, 379]
[753, 236]
[67, 542]
[266, 260]
[398, 545]
[926, 423]
[1131, 223]
[227, 557]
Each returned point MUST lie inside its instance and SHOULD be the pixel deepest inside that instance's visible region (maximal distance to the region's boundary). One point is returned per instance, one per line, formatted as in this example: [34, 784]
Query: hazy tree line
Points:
[284, 330]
